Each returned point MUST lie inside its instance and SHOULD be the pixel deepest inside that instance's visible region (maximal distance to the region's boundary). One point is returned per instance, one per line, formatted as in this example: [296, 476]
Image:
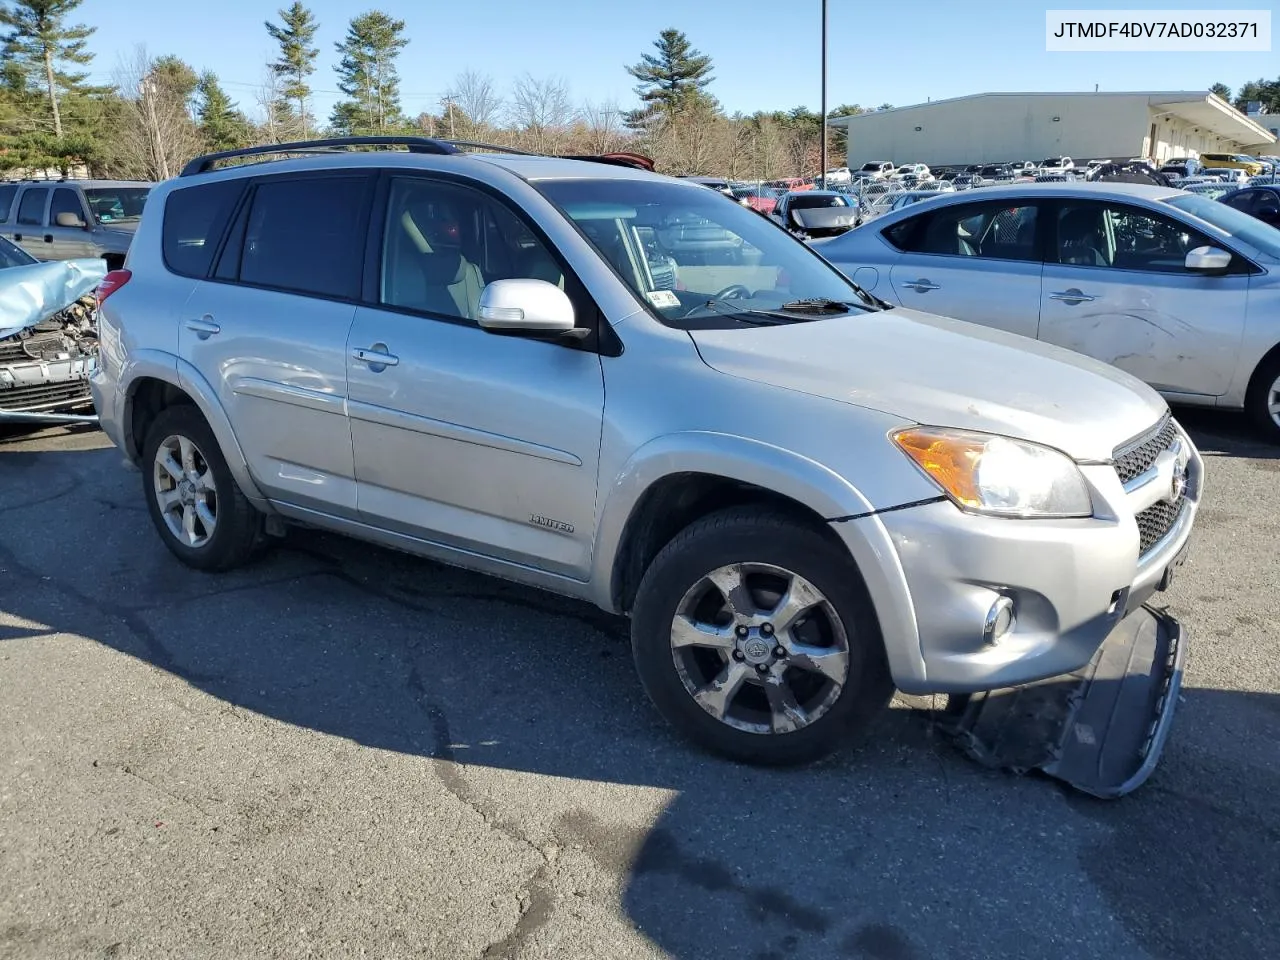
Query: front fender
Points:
[719, 454]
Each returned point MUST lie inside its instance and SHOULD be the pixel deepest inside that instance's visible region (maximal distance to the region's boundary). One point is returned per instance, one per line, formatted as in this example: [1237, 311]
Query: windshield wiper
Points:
[815, 305]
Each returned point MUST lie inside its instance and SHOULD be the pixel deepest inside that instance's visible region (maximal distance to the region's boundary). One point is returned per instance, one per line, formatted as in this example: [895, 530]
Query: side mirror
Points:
[68, 219]
[1208, 260]
[531, 307]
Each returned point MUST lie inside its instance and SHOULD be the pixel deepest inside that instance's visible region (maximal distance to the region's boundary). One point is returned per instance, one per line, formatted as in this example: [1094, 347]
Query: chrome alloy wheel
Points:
[760, 648]
[1273, 401]
[185, 491]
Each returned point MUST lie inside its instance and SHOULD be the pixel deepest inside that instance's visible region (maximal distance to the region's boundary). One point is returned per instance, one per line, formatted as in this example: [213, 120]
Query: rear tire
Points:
[1262, 403]
[198, 509]
[808, 672]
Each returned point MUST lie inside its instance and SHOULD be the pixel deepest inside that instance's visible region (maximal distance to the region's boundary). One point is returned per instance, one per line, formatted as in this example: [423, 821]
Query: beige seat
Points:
[426, 269]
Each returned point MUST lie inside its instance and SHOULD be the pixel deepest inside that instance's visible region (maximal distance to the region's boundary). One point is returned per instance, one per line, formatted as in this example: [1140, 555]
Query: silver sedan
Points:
[1173, 287]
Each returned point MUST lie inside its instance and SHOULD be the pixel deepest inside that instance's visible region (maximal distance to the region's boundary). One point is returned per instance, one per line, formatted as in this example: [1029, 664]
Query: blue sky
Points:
[765, 53]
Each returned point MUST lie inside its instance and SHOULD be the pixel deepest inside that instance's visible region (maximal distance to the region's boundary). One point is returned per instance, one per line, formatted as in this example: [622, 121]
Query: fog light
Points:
[1000, 620]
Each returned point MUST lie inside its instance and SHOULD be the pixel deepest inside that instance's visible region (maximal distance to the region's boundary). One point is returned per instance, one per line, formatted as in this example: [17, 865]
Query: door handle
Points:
[203, 328]
[375, 356]
[17, 237]
[1072, 296]
[923, 286]
[48, 238]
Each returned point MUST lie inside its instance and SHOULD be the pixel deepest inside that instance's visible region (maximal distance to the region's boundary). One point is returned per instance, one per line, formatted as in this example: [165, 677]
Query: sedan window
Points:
[988, 230]
[1123, 237]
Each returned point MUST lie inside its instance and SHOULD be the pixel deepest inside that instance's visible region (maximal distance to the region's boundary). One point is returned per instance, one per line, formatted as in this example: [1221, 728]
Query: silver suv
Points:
[71, 219]
[801, 496]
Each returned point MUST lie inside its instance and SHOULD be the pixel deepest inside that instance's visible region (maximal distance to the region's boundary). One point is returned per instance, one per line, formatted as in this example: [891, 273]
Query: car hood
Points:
[943, 372]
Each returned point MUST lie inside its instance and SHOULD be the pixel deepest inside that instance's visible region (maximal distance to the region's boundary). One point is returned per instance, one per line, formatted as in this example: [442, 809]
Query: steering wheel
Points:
[734, 290]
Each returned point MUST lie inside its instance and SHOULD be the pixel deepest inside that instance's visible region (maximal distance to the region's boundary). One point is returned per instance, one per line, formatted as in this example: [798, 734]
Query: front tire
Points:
[198, 509]
[755, 637]
[1262, 403]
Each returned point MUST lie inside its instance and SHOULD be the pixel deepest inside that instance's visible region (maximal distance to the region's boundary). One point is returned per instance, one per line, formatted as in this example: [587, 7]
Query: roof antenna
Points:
[1095, 88]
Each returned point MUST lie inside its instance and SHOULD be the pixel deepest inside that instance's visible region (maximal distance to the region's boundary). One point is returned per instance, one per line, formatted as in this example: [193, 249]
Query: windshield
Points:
[692, 256]
[1254, 232]
[874, 166]
[115, 204]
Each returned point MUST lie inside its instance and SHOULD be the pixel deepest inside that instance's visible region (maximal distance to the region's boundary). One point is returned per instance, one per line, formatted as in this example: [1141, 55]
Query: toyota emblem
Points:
[1178, 486]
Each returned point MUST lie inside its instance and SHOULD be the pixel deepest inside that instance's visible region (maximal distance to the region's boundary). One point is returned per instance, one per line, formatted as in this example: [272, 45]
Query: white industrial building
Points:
[998, 127]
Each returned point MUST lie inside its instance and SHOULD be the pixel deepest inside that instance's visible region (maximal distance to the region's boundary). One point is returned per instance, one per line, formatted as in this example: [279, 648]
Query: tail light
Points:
[112, 282]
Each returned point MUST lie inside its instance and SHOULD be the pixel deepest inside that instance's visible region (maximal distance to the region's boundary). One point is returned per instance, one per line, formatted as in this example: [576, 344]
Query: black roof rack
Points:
[328, 145]
[412, 144]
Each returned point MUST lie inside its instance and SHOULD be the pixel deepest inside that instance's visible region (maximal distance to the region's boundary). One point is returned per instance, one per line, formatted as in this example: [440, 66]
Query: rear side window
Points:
[307, 235]
[194, 218]
[31, 207]
[7, 195]
[993, 231]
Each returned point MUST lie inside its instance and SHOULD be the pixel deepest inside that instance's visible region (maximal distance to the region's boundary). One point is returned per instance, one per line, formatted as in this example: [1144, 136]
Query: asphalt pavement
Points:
[342, 751]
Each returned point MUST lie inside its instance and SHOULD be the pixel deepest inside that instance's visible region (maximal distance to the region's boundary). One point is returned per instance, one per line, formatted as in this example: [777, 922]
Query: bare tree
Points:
[602, 123]
[478, 105]
[542, 111]
[156, 135]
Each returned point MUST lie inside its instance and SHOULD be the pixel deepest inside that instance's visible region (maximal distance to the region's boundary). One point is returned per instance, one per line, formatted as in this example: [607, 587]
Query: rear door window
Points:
[31, 206]
[993, 231]
[307, 235]
[7, 196]
[194, 220]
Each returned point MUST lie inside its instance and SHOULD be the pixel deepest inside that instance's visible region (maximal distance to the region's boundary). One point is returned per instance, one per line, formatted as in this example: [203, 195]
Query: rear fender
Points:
[157, 365]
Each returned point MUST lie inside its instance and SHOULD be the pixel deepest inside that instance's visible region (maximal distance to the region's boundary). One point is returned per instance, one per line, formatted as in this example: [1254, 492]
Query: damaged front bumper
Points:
[48, 341]
[1101, 728]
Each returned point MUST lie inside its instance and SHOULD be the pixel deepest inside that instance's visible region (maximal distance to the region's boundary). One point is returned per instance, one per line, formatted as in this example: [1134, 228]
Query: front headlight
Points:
[998, 476]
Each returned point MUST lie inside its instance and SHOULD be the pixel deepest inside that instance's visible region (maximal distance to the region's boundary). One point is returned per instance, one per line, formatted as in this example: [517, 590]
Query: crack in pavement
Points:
[76, 484]
[536, 900]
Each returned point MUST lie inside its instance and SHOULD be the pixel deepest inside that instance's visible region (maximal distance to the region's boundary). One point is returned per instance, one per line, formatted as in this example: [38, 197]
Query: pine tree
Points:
[367, 74]
[1222, 90]
[672, 81]
[295, 34]
[222, 125]
[40, 41]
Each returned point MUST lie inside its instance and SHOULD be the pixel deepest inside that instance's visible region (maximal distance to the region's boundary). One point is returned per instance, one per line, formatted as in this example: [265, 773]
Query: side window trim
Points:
[585, 308]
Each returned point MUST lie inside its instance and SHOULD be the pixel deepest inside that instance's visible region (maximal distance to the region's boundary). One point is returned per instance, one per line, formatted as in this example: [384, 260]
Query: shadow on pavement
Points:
[1225, 434]
[896, 850]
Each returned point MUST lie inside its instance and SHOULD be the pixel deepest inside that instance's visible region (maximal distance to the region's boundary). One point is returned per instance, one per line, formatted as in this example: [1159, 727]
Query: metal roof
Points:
[1201, 107]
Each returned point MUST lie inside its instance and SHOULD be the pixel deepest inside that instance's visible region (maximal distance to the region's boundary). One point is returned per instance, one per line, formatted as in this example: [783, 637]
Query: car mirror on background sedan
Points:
[525, 306]
[1208, 259]
[68, 219]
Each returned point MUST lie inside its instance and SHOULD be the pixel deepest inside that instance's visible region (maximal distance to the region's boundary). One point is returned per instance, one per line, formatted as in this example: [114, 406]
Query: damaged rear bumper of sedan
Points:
[48, 341]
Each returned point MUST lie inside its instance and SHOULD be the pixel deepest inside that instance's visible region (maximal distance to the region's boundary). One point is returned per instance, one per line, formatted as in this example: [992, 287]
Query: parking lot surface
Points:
[342, 751]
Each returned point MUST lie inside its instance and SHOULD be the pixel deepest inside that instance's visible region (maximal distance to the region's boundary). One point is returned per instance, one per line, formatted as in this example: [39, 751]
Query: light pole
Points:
[823, 126]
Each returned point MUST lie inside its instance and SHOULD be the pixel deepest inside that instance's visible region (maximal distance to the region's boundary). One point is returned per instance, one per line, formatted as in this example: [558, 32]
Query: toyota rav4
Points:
[801, 496]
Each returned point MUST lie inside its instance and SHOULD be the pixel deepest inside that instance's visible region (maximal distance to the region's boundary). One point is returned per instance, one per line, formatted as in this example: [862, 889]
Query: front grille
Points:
[42, 346]
[1155, 521]
[44, 396]
[1135, 458]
